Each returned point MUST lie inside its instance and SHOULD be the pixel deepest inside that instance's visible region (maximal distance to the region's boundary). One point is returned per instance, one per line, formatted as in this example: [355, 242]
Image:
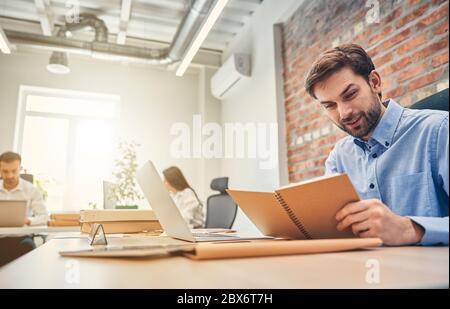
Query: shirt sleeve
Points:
[330, 163]
[436, 229]
[442, 150]
[38, 208]
[188, 205]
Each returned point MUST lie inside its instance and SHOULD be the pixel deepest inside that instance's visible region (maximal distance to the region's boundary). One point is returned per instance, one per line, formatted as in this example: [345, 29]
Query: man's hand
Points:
[371, 218]
[27, 221]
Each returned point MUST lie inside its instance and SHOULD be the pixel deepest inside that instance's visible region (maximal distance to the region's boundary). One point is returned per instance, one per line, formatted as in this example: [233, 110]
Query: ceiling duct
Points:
[99, 48]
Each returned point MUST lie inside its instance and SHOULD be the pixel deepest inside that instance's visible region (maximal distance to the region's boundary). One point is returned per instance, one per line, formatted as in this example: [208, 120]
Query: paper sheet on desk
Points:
[130, 251]
[132, 245]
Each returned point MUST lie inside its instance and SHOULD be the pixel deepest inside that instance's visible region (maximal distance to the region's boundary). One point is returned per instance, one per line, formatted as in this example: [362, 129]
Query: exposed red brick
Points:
[393, 15]
[440, 59]
[430, 49]
[397, 66]
[412, 43]
[412, 16]
[441, 28]
[425, 79]
[379, 37]
[379, 61]
[396, 39]
[406, 101]
[387, 71]
[363, 35]
[395, 93]
[434, 16]
[438, 2]
[411, 72]
[386, 82]
[401, 64]
[373, 51]
[413, 2]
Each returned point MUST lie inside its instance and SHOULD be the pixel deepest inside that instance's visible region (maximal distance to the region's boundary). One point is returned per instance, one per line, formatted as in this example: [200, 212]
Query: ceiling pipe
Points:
[100, 48]
[86, 20]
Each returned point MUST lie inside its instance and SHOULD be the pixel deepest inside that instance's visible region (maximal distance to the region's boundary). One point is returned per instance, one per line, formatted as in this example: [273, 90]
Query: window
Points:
[68, 142]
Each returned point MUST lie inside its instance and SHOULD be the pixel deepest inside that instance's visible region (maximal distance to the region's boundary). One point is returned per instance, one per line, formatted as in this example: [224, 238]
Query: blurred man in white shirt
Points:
[12, 187]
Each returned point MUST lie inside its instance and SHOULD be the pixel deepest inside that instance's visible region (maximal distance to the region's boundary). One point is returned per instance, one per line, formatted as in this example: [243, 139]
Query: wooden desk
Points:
[402, 267]
[39, 229]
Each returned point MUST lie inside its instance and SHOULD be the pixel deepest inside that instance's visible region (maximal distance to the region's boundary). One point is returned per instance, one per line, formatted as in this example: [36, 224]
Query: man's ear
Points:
[375, 81]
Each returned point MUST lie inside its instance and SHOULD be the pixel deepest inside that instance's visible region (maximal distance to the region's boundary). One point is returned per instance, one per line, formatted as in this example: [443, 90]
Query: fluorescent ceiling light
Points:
[201, 36]
[4, 43]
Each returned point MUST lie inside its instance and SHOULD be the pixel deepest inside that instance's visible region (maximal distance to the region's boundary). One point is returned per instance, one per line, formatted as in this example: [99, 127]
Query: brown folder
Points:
[63, 223]
[221, 250]
[304, 210]
[120, 227]
[69, 216]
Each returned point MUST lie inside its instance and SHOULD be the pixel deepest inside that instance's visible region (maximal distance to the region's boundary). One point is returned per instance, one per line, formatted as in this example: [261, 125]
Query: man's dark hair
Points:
[337, 58]
[10, 156]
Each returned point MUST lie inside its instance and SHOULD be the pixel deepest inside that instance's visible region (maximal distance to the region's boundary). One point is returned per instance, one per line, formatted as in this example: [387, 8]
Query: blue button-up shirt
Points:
[404, 164]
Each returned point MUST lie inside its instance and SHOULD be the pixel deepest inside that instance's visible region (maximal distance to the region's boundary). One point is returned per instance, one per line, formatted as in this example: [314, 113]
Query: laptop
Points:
[13, 213]
[167, 212]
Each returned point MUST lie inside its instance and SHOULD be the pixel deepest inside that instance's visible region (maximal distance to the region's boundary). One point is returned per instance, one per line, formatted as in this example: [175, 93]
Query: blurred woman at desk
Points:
[184, 196]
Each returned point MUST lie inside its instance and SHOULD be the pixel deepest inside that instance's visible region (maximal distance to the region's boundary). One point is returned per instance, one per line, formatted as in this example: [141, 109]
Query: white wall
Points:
[255, 99]
[151, 100]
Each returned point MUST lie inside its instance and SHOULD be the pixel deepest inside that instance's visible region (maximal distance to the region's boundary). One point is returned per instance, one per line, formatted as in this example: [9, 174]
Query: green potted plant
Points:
[124, 190]
[43, 183]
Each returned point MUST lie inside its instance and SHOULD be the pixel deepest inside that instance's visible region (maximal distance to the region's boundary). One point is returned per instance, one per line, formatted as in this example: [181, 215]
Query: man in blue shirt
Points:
[397, 158]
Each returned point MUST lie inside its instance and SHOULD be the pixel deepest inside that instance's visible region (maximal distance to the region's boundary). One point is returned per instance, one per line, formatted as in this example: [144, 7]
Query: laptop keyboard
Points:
[205, 235]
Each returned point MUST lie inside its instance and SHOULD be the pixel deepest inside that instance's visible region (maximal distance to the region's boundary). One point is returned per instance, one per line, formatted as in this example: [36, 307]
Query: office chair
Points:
[220, 208]
[27, 177]
[437, 101]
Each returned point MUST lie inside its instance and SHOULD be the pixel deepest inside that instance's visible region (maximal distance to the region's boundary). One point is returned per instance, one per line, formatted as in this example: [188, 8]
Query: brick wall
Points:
[409, 46]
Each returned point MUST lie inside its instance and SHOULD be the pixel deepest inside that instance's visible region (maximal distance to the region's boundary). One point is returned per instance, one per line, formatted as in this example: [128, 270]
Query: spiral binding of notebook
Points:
[292, 216]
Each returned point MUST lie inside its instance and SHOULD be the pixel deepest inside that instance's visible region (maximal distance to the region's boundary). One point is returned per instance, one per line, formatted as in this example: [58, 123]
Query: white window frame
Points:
[25, 91]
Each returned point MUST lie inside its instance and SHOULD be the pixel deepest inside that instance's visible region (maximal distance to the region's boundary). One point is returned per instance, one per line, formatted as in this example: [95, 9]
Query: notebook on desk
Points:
[304, 210]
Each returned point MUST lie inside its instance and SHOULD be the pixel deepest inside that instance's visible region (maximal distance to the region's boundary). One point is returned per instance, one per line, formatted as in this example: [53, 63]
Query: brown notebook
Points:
[220, 250]
[304, 210]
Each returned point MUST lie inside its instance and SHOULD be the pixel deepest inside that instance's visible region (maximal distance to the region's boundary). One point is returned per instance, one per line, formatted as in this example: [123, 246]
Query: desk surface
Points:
[37, 229]
[401, 267]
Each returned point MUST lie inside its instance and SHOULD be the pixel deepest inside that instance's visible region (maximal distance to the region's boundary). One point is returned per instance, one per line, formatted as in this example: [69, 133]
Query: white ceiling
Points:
[149, 20]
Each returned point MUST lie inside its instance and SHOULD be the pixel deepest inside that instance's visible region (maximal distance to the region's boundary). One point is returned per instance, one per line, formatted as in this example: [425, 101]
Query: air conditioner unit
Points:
[235, 68]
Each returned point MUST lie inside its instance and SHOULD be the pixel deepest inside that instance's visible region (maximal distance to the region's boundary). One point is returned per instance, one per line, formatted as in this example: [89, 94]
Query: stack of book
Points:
[64, 219]
[118, 221]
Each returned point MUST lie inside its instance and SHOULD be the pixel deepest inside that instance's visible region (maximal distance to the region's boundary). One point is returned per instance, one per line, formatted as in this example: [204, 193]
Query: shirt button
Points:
[386, 143]
[371, 186]
[374, 155]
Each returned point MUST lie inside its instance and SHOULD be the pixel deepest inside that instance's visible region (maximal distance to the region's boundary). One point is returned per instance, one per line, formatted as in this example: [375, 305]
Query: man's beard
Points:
[11, 182]
[369, 120]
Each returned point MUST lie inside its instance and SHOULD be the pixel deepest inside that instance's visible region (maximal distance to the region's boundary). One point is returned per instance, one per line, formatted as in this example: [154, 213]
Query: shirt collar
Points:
[18, 188]
[386, 127]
